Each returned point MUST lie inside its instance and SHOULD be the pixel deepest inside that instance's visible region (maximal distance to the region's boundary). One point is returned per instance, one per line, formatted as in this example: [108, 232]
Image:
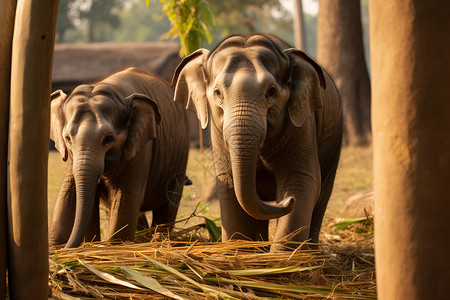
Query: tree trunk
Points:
[411, 119]
[299, 32]
[91, 28]
[32, 52]
[340, 51]
[7, 13]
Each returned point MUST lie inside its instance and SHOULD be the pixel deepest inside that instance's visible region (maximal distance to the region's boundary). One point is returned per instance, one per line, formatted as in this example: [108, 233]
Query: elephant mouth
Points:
[266, 184]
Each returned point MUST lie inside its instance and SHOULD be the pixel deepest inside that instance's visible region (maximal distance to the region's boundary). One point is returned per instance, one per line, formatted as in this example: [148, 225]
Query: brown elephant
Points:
[127, 145]
[276, 132]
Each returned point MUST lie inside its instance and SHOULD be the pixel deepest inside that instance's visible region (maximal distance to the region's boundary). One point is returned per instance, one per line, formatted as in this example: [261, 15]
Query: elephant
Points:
[276, 134]
[127, 145]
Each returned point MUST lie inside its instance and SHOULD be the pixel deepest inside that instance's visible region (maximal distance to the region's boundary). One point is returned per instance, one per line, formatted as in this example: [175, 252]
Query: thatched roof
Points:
[94, 61]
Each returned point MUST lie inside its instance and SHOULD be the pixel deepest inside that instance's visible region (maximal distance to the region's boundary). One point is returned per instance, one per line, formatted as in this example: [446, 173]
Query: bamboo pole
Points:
[411, 120]
[7, 13]
[33, 42]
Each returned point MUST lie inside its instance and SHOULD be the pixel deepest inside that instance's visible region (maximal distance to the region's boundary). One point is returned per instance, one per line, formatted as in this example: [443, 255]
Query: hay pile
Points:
[170, 267]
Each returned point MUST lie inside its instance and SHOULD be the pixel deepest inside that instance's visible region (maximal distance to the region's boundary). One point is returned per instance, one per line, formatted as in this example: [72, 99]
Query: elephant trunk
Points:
[87, 170]
[244, 137]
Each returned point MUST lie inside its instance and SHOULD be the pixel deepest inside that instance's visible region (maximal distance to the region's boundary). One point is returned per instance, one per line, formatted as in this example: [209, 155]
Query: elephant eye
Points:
[271, 91]
[107, 140]
[68, 140]
[218, 93]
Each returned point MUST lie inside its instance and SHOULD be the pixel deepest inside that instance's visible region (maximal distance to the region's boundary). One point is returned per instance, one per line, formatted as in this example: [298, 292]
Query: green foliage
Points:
[141, 23]
[64, 22]
[361, 225]
[251, 16]
[69, 264]
[215, 231]
[191, 21]
[88, 20]
[99, 14]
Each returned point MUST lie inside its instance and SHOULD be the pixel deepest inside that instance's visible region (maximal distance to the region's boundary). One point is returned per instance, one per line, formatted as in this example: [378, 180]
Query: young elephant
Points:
[127, 144]
[276, 133]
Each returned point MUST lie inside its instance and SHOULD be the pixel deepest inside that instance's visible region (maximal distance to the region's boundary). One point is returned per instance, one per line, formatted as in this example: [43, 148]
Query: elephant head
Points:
[250, 86]
[100, 129]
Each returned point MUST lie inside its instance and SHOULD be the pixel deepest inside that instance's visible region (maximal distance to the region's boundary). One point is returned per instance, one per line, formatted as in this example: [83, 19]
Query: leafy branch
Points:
[192, 21]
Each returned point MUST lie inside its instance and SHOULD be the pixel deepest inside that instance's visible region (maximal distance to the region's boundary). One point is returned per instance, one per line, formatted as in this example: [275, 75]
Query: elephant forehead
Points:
[255, 58]
[96, 107]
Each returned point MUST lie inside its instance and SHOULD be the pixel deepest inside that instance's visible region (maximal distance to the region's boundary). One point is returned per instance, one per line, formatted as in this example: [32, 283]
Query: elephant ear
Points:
[190, 85]
[142, 126]
[306, 81]
[57, 99]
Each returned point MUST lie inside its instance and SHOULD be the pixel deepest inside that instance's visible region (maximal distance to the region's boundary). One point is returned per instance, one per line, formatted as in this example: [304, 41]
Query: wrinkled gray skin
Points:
[276, 130]
[127, 144]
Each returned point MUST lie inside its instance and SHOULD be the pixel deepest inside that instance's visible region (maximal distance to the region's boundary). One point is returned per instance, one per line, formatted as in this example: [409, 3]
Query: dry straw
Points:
[185, 265]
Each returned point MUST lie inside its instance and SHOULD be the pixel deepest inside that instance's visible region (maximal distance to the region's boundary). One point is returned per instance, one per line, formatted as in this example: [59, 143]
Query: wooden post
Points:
[410, 59]
[7, 13]
[299, 32]
[33, 42]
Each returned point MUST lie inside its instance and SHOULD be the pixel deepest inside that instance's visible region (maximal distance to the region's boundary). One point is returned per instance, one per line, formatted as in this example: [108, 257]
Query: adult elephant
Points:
[127, 144]
[276, 130]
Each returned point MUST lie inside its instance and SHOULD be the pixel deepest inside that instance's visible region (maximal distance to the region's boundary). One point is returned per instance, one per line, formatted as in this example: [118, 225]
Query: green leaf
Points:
[215, 231]
[345, 223]
[69, 264]
[149, 282]
[191, 20]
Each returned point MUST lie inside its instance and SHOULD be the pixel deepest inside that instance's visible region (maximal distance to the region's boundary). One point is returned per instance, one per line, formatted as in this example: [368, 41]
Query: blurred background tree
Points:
[65, 22]
[341, 52]
[102, 17]
[134, 21]
[89, 20]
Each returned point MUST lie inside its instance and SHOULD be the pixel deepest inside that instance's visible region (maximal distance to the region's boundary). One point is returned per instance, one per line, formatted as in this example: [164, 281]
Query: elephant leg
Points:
[328, 170]
[303, 183]
[125, 198]
[64, 211]
[123, 218]
[236, 223]
[167, 212]
[93, 232]
[142, 222]
[124, 206]
[296, 225]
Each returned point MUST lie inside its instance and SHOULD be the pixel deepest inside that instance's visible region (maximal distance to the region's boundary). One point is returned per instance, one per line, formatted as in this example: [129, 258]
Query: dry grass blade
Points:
[164, 268]
[317, 290]
[270, 271]
[109, 278]
[205, 288]
[150, 283]
[64, 296]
